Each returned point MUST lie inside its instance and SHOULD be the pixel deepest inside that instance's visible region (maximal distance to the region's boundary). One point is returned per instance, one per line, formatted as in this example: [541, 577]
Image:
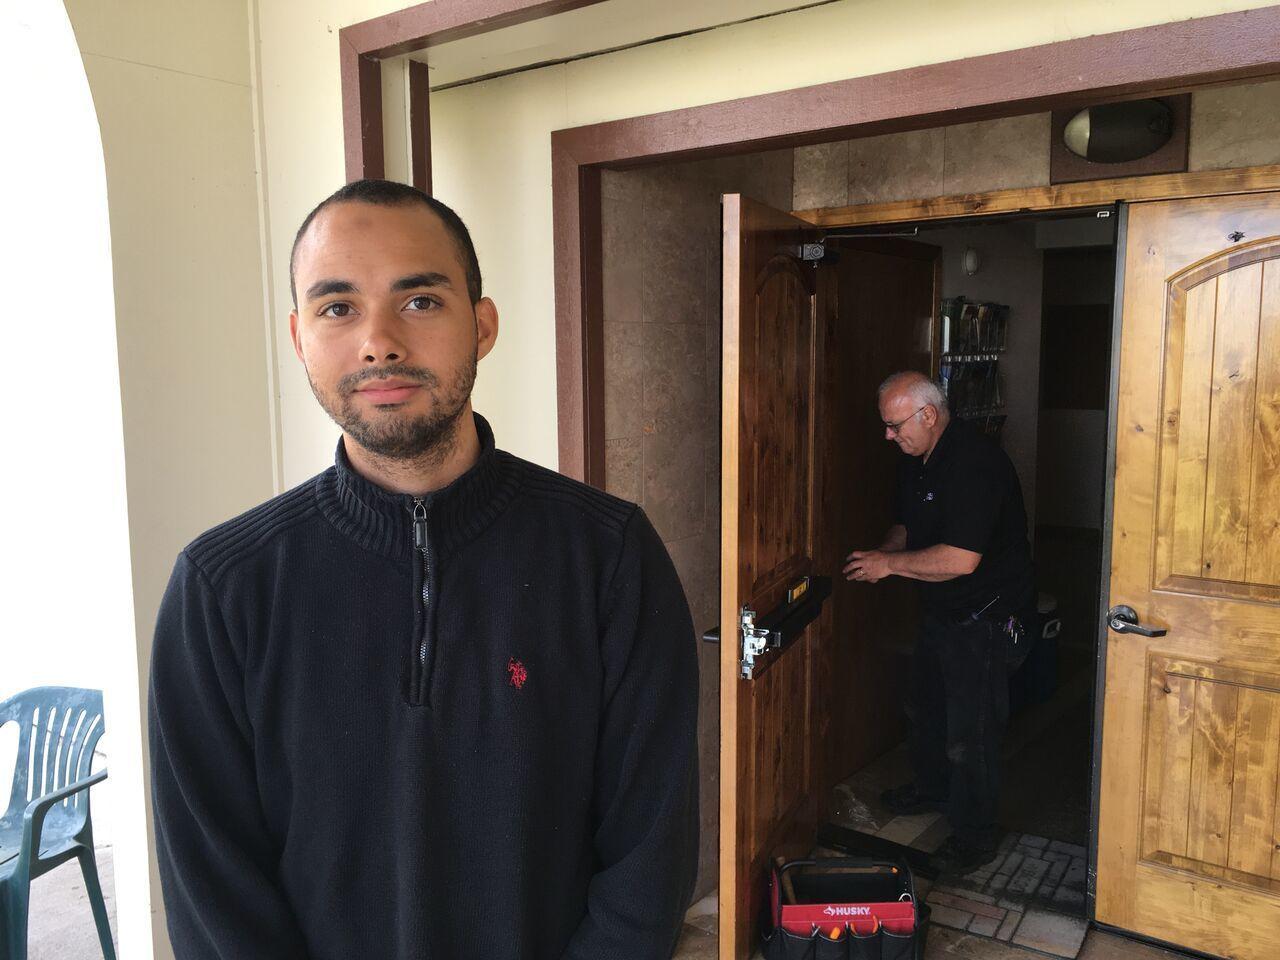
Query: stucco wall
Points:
[172, 84]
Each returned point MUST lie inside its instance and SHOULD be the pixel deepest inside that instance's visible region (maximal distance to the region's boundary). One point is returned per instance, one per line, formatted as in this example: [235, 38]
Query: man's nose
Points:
[384, 341]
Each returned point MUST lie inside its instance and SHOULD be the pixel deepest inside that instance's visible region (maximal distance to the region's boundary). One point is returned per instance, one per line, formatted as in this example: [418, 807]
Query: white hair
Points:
[917, 386]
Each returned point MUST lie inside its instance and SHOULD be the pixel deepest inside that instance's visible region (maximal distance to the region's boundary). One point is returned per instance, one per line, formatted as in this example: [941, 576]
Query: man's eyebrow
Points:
[323, 288]
[415, 280]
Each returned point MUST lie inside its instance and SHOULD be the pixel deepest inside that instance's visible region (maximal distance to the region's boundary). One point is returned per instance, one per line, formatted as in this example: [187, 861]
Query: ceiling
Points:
[593, 29]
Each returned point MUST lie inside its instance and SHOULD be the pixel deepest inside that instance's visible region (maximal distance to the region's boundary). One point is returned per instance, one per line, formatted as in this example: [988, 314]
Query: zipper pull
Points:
[419, 524]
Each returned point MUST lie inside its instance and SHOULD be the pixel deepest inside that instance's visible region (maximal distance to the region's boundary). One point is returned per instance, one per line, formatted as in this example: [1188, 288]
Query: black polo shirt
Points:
[967, 495]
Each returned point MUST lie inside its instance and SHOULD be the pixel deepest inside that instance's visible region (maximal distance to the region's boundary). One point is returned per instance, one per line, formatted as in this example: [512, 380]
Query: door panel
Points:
[772, 302]
[777, 408]
[888, 292]
[806, 476]
[1188, 828]
[1219, 504]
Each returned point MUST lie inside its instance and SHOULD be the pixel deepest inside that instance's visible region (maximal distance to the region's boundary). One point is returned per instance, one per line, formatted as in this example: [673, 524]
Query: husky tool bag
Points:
[844, 909]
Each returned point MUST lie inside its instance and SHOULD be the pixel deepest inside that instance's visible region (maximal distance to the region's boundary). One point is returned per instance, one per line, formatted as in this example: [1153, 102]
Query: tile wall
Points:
[662, 385]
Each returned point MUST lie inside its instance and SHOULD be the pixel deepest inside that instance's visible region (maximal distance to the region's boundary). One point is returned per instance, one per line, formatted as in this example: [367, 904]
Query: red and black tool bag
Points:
[844, 909]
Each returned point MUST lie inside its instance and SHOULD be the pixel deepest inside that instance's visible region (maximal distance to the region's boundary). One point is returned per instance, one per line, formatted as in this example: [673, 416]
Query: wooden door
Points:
[806, 476]
[773, 304]
[885, 321]
[1189, 825]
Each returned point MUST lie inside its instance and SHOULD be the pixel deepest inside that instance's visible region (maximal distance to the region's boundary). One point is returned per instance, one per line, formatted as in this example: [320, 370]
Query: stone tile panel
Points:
[1052, 933]
[673, 495]
[951, 917]
[821, 176]
[622, 468]
[1009, 925]
[1235, 126]
[997, 154]
[623, 381]
[897, 166]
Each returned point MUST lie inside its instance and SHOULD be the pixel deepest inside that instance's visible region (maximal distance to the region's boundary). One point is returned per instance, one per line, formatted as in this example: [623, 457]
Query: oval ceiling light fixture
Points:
[1119, 132]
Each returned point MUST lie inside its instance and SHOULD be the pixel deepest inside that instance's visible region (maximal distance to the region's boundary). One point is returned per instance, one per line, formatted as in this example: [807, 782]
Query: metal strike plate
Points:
[755, 641]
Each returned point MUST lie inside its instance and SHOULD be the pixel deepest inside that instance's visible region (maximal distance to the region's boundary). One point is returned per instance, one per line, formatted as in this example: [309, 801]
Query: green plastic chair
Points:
[48, 820]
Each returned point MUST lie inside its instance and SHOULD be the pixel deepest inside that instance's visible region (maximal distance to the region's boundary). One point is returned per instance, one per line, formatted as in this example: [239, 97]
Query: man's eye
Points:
[422, 302]
[336, 310]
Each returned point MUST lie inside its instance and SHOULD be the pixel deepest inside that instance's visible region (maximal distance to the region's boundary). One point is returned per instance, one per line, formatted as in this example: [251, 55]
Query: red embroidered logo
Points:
[517, 673]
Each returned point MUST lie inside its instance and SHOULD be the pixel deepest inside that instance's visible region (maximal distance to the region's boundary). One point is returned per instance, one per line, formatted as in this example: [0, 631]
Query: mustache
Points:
[352, 381]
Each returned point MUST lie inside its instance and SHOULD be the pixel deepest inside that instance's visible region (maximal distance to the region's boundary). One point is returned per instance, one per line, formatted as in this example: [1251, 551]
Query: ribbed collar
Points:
[383, 521]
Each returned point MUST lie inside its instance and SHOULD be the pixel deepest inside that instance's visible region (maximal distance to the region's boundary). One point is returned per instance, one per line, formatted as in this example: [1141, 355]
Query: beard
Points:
[395, 435]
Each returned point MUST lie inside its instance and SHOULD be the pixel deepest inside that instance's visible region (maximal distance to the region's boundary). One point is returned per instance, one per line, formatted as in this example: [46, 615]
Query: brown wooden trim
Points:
[1255, 251]
[362, 137]
[1090, 193]
[579, 319]
[420, 125]
[591, 230]
[362, 45]
[439, 21]
[1152, 61]
[735, 732]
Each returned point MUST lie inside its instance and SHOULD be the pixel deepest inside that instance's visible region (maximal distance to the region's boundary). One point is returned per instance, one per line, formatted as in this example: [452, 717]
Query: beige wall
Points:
[172, 85]
[662, 291]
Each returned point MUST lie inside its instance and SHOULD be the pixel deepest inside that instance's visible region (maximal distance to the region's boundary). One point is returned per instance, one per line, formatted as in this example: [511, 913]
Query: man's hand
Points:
[867, 566]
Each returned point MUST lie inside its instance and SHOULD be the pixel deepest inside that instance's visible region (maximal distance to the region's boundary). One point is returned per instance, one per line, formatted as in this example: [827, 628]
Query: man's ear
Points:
[293, 334]
[486, 326]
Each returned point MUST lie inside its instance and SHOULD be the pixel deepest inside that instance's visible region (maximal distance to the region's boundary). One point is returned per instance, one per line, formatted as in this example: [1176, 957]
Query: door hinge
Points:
[755, 641]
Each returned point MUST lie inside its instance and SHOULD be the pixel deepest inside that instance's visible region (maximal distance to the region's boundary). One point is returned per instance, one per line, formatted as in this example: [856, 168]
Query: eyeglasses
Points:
[893, 428]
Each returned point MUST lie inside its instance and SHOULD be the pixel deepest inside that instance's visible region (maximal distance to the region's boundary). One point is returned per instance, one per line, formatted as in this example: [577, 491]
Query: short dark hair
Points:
[388, 193]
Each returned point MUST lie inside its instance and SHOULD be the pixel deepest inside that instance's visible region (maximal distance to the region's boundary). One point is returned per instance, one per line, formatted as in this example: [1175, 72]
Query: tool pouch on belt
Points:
[844, 909]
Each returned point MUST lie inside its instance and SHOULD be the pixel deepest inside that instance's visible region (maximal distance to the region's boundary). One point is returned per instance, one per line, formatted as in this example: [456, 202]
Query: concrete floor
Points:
[60, 926]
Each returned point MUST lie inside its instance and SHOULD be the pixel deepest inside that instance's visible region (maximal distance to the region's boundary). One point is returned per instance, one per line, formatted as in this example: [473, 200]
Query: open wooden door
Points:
[806, 475]
[773, 321]
[1189, 824]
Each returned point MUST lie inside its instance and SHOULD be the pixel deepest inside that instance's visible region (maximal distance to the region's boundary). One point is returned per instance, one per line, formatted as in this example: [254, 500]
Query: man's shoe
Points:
[907, 799]
[957, 857]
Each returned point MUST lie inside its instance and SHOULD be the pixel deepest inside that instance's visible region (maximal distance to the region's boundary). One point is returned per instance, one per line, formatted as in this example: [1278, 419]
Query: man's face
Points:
[385, 327]
[906, 423]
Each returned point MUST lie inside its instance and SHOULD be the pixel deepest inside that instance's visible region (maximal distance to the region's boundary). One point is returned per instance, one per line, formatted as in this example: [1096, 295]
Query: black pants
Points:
[959, 704]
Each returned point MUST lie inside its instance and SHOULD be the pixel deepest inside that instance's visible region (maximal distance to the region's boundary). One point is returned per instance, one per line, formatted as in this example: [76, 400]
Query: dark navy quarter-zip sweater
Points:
[454, 727]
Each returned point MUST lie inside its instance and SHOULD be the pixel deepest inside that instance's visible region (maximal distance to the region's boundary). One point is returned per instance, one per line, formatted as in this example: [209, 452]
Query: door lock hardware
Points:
[755, 641]
[783, 625]
[1124, 619]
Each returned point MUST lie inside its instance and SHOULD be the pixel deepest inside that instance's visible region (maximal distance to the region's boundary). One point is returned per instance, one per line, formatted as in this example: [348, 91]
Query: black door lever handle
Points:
[1124, 619]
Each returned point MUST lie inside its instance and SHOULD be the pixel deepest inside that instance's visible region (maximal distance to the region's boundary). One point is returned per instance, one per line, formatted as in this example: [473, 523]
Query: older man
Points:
[961, 530]
[437, 701]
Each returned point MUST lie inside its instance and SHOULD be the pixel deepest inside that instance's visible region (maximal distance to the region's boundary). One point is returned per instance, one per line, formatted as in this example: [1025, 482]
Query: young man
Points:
[436, 702]
[961, 530]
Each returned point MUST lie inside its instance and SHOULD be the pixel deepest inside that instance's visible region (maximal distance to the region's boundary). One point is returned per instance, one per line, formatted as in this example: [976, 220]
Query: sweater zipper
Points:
[422, 544]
